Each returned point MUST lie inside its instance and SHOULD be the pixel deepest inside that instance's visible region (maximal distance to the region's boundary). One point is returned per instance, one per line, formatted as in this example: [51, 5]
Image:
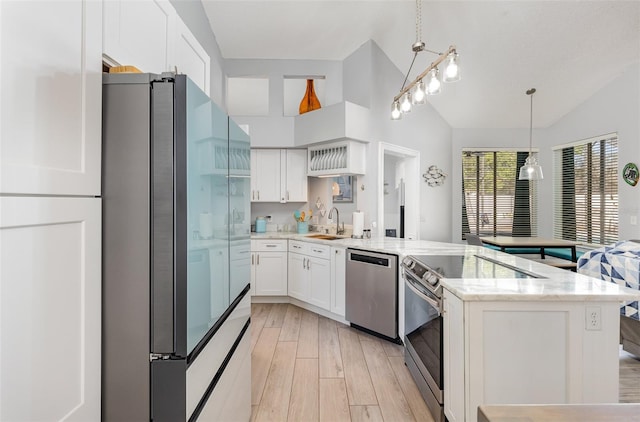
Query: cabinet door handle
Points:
[258, 195]
[304, 263]
[257, 259]
[308, 264]
[287, 195]
[252, 259]
[271, 246]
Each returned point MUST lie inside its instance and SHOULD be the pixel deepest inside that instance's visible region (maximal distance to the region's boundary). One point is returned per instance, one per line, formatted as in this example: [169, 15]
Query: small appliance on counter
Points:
[261, 225]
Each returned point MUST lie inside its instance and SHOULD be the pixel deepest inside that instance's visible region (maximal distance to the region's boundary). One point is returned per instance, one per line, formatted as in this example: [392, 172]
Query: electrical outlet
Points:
[592, 318]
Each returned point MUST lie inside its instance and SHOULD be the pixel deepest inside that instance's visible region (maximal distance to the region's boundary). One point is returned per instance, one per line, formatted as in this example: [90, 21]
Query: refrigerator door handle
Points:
[163, 290]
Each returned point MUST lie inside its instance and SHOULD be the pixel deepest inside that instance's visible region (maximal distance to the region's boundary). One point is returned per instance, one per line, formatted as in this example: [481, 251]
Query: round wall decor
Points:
[630, 174]
[434, 176]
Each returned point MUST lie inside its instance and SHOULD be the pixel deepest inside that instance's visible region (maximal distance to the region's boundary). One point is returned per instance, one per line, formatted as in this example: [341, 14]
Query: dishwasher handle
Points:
[368, 259]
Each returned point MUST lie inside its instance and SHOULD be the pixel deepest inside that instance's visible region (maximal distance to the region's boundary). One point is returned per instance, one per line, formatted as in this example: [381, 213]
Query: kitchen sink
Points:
[324, 236]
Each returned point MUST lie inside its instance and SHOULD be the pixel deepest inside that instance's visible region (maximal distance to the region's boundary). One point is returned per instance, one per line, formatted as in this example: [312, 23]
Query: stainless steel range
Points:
[423, 320]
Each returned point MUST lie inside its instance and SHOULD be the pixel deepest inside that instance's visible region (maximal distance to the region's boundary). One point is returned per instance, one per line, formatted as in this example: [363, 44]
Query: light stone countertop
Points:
[557, 284]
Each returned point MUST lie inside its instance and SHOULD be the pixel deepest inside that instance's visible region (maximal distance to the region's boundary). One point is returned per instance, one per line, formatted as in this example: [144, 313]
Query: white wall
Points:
[276, 130]
[368, 78]
[615, 108]
[423, 130]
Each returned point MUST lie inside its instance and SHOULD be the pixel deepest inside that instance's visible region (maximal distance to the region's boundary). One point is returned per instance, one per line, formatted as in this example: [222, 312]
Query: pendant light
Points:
[531, 170]
[413, 93]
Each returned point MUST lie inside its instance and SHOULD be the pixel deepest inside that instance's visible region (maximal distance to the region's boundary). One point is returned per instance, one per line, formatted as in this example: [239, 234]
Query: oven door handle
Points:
[420, 294]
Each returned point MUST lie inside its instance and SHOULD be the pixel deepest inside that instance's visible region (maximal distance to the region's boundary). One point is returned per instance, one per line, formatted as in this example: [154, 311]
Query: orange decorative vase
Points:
[309, 102]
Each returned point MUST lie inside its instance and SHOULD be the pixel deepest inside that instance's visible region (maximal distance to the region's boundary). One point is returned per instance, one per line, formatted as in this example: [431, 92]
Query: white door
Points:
[298, 284]
[266, 169]
[320, 282]
[296, 175]
[50, 279]
[140, 33]
[271, 273]
[50, 107]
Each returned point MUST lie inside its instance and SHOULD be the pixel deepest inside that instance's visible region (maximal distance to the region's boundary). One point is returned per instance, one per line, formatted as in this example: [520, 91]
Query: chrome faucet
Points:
[338, 229]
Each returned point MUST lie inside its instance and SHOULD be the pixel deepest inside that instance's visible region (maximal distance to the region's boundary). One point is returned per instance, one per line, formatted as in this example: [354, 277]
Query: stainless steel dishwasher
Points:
[372, 292]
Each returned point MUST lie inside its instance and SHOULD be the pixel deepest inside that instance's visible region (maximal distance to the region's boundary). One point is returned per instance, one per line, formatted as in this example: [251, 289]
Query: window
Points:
[494, 201]
[586, 191]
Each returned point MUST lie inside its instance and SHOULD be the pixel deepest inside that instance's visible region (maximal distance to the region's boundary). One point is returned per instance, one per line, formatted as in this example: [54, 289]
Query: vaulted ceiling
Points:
[568, 50]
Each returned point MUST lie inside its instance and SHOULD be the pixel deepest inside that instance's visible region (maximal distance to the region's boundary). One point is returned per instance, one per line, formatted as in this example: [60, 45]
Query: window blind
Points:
[494, 201]
[586, 191]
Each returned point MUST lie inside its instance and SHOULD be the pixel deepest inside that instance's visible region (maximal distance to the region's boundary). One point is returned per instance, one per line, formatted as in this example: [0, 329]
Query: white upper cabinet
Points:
[190, 58]
[140, 33]
[295, 179]
[150, 35]
[50, 97]
[278, 175]
[265, 175]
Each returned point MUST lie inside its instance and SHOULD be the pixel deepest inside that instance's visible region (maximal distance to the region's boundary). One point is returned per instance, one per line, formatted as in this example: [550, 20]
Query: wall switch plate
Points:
[633, 220]
[593, 319]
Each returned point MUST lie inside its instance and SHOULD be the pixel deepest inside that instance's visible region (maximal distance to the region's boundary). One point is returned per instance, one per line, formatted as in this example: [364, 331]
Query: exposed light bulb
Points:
[419, 94]
[452, 70]
[433, 86]
[395, 111]
[405, 104]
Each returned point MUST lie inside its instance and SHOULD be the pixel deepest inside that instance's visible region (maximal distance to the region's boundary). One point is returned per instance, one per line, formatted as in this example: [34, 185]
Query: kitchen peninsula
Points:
[546, 340]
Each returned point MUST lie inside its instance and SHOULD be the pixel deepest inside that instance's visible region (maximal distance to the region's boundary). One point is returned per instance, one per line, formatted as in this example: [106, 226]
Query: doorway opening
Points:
[398, 191]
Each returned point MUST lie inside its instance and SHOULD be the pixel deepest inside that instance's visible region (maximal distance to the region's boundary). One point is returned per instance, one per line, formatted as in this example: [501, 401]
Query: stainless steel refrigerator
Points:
[176, 242]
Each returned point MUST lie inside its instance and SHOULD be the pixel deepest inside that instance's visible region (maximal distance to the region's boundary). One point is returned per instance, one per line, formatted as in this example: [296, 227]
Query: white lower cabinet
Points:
[269, 267]
[338, 271]
[453, 356]
[310, 273]
[298, 276]
[239, 271]
[50, 278]
[527, 352]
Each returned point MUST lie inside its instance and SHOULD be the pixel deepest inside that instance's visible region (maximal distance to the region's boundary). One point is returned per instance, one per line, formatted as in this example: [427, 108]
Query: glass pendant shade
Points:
[395, 111]
[419, 96]
[451, 70]
[433, 82]
[531, 170]
[405, 103]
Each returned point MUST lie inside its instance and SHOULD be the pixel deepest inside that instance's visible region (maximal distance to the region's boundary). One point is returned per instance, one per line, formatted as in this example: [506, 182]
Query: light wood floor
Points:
[629, 378]
[305, 367]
